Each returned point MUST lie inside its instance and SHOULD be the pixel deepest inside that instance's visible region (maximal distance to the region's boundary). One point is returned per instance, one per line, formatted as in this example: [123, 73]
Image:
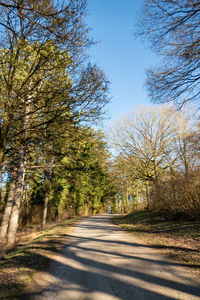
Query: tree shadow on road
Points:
[141, 245]
[94, 275]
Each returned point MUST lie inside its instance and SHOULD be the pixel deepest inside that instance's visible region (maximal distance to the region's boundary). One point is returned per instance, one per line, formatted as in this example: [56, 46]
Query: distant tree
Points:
[124, 179]
[158, 156]
[173, 29]
[186, 144]
[147, 140]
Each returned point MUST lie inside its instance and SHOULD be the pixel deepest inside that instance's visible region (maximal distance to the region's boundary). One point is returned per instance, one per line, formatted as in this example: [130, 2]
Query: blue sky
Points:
[122, 57]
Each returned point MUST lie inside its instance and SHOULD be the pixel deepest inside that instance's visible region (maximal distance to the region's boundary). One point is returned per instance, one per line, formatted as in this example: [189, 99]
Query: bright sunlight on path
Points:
[103, 263]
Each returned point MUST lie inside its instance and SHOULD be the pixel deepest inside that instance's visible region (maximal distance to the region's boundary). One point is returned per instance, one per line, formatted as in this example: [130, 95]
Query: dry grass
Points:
[32, 253]
[176, 236]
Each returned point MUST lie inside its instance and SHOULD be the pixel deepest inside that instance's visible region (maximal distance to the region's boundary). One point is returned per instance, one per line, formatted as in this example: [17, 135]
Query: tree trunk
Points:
[44, 218]
[8, 208]
[147, 196]
[27, 199]
[14, 218]
[13, 226]
[3, 133]
[186, 167]
[47, 175]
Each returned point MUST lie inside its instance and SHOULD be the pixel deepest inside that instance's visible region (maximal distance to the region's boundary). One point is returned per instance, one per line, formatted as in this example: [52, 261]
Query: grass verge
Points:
[32, 253]
[175, 236]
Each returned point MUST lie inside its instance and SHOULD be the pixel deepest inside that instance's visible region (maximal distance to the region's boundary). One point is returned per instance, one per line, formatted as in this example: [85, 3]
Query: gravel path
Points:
[103, 263]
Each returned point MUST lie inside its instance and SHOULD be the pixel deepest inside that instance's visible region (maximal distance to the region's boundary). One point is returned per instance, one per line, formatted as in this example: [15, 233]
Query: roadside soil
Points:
[32, 253]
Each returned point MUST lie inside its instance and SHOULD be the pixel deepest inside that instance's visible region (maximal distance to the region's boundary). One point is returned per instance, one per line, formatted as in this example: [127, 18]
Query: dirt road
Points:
[103, 263]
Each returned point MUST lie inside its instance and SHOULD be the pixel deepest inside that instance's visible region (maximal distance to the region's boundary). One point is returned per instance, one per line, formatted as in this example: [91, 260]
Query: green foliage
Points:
[81, 184]
[47, 89]
[38, 190]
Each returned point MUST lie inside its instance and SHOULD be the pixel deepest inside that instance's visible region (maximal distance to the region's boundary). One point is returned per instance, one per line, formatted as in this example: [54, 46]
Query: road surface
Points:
[103, 263]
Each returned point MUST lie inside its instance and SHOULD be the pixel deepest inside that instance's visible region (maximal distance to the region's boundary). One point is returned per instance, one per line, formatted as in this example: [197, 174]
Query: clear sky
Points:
[122, 57]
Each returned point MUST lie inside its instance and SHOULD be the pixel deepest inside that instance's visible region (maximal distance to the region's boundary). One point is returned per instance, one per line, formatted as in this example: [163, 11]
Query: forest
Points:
[54, 164]
[88, 211]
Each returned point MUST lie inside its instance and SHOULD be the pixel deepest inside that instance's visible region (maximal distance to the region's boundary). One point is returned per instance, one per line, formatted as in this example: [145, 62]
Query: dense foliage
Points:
[77, 182]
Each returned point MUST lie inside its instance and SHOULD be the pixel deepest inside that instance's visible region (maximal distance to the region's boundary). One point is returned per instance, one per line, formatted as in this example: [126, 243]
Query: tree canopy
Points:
[48, 86]
[172, 29]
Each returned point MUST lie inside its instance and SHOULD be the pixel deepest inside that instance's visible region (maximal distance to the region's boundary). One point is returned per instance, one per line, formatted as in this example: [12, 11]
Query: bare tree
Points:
[173, 29]
[147, 139]
[186, 143]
